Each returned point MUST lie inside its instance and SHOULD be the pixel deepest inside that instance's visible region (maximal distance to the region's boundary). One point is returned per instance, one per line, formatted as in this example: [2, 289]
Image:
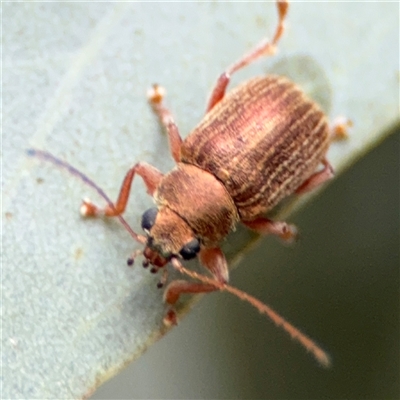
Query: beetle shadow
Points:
[309, 75]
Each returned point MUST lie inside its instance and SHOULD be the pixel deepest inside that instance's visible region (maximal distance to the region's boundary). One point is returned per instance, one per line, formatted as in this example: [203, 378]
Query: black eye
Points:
[190, 250]
[148, 218]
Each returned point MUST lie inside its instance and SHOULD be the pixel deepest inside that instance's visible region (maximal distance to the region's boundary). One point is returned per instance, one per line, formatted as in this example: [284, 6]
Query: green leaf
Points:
[74, 82]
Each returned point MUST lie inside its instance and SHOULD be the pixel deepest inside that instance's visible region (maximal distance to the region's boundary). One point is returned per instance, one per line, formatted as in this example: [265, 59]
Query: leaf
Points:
[74, 82]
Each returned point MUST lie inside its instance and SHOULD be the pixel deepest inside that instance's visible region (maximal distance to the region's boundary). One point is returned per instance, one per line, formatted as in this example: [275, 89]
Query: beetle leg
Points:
[339, 128]
[264, 48]
[317, 179]
[178, 287]
[151, 177]
[214, 260]
[156, 95]
[338, 131]
[265, 226]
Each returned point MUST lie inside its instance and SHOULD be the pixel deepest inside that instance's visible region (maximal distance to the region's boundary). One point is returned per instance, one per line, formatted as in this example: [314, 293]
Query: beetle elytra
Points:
[259, 143]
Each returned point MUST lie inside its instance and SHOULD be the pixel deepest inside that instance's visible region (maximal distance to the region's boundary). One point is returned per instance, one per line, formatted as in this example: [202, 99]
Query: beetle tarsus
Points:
[156, 94]
[170, 318]
[161, 283]
[88, 209]
[339, 128]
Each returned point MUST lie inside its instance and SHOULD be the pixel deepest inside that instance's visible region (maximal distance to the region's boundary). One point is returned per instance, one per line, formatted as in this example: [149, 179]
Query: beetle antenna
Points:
[320, 355]
[44, 155]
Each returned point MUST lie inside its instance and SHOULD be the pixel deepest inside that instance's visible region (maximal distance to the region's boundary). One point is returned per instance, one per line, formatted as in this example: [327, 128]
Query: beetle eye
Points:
[148, 218]
[190, 250]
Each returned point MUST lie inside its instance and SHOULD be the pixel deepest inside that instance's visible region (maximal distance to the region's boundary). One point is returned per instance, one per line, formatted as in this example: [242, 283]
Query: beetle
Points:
[257, 144]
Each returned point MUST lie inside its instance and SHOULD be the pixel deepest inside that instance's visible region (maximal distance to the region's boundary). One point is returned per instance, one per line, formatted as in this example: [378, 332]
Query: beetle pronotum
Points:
[256, 145]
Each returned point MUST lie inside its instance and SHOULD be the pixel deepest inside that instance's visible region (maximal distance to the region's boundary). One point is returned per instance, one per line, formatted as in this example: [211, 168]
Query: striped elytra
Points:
[262, 141]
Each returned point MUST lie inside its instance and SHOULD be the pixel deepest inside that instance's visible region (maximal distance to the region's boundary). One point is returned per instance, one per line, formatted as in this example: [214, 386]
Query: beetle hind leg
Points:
[317, 179]
[265, 226]
[264, 48]
[338, 130]
[156, 96]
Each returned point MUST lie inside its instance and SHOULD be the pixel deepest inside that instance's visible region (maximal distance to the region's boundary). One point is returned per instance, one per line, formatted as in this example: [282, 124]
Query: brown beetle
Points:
[256, 145]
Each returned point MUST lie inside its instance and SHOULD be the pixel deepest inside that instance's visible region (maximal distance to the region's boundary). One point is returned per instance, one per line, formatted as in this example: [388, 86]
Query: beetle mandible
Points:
[256, 145]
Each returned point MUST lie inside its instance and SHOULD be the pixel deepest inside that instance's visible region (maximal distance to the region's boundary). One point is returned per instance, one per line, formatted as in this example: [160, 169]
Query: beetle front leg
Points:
[156, 95]
[178, 287]
[264, 48]
[266, 226]
[151, 177]
[214, 260]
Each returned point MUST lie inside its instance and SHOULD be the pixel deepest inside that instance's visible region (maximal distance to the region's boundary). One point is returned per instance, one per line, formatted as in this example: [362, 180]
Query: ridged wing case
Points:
[263, 140]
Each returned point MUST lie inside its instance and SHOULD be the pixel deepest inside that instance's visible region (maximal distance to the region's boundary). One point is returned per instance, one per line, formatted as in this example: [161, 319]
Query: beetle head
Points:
[168, 235]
